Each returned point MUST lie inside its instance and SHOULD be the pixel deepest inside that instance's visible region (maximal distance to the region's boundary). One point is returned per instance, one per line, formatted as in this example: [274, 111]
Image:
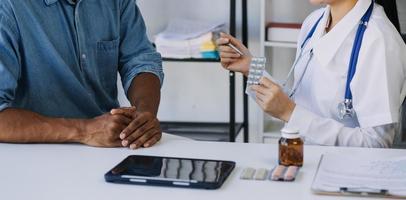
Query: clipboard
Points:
[352, 191]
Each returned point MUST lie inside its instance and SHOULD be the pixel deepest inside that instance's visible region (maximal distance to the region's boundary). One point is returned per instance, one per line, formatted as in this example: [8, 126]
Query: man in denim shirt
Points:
[58, 71]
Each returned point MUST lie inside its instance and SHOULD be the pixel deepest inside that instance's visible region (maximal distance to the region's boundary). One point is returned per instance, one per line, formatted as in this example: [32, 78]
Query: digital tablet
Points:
[168, 171]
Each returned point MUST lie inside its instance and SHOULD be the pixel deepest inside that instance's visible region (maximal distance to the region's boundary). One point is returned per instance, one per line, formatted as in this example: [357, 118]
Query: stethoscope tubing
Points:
[353, 60]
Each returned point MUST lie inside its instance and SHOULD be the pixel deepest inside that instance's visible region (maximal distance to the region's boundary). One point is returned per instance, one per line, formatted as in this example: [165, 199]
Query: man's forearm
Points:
[22, 126]
[145, 93]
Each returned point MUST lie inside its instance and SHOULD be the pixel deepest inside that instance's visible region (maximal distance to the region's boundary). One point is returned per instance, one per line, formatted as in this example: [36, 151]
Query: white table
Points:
[75, 172]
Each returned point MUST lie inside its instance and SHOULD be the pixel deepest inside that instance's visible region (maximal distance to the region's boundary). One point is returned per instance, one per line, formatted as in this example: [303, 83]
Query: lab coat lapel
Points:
[325, 46]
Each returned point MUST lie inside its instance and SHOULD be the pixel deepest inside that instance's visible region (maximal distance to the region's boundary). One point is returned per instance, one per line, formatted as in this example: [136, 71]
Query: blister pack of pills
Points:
[256, 71]
[278, 173]
[284, 173]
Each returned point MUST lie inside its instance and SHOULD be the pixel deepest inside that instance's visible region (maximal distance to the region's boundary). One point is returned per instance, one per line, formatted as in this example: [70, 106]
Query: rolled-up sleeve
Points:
[9, 57]
[137, 55]
[325, 131]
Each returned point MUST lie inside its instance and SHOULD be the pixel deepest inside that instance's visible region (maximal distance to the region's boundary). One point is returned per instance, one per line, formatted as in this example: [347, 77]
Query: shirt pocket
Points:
[107, 61]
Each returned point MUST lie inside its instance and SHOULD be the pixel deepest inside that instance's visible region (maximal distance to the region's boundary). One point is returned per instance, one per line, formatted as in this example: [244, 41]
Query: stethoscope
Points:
[345, 108]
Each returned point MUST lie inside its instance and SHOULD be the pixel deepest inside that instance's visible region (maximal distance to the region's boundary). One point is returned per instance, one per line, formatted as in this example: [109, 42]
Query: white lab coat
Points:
[378, 86]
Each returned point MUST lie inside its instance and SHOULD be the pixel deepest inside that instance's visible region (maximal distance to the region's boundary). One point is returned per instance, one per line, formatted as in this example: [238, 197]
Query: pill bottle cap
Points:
[290, 133]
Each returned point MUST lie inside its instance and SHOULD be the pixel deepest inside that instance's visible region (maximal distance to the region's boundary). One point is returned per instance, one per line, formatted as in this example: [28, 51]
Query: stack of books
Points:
[183, 39]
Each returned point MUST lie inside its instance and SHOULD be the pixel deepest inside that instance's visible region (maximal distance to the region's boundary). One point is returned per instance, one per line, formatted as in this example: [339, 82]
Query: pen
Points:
[218, 35]
[235, 49]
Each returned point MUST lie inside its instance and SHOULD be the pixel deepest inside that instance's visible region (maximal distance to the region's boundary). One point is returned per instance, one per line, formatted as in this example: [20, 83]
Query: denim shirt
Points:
[60, 59]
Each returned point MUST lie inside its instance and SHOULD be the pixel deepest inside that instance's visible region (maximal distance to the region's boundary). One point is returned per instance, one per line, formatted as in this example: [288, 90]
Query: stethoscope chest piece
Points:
[345, 109]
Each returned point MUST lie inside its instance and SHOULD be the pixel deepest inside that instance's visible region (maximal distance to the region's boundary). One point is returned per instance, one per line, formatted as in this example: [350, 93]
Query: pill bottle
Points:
[290, 148]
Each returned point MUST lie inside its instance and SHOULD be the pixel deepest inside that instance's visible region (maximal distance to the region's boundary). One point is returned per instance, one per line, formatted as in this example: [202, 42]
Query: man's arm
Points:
[141, 73]
[22, 126]
[145, 93]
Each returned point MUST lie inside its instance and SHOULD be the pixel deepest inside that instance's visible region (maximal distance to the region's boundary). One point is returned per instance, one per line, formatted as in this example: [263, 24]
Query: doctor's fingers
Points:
[271, 86]
[226, 49]
[266, 98]
[222, 41]
[232, 40]
[261, 89]
[229, 55]
[228, 61]
[267, 83]
[261, 103]
[259, 97]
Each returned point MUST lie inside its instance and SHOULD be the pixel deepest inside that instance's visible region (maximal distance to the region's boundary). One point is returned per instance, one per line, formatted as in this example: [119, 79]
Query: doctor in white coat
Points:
[373, 88]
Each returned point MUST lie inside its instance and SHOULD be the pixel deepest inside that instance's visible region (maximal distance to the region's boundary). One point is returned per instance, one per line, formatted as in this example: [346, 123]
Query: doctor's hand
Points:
[230, 59]
[144, 130]
[273, 100]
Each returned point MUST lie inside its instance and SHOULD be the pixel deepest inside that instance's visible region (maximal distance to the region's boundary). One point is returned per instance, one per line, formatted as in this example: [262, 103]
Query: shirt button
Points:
[83, 56]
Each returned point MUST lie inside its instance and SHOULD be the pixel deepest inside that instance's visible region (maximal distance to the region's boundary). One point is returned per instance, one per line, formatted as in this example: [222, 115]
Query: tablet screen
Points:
[173, 169]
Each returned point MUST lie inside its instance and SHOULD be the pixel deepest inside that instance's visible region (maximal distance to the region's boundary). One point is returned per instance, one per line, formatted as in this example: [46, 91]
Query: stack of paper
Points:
[188, 39]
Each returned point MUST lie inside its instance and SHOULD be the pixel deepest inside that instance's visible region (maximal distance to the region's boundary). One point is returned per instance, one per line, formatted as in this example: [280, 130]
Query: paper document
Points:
[361, 173]
[185, 38]
[184, 29]
[182, 48]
